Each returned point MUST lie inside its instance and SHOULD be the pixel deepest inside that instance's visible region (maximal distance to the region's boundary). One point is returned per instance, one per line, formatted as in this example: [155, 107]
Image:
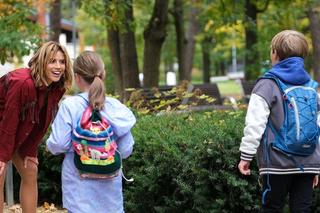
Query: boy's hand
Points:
[244, 167]
[2, 167]
[315, 181]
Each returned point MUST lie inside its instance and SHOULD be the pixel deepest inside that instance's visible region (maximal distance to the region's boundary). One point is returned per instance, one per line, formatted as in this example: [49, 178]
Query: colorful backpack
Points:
[95, 148]
[299, 133]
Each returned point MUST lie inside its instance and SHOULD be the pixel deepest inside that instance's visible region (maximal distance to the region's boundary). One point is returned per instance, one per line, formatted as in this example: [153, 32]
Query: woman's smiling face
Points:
[55, 68]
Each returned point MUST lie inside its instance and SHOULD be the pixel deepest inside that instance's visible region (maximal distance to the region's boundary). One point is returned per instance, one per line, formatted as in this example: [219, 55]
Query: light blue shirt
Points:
[89, 195]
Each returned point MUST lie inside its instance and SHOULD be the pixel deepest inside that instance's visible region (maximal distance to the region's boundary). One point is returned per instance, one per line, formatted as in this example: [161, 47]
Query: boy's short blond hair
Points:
[289, 43]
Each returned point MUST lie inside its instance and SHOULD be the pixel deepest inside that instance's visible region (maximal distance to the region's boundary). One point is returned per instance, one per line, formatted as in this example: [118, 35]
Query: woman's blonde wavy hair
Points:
[38, 64]
[89, 65]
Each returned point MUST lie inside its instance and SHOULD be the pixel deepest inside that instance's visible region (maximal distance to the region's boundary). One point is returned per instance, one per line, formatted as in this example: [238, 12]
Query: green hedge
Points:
[188, 163]
[180, 163]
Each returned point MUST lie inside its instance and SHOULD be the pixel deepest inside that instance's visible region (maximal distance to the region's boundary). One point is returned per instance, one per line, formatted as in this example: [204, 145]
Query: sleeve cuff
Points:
[246, 156]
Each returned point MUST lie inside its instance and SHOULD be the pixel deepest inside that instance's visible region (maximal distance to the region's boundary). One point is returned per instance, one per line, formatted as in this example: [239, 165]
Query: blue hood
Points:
[291, 71]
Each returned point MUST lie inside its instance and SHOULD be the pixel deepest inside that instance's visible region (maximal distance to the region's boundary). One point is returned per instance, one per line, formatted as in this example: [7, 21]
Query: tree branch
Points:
[264, 8]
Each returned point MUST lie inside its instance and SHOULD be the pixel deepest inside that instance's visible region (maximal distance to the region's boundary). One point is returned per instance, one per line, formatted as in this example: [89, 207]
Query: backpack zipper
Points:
[296, 115]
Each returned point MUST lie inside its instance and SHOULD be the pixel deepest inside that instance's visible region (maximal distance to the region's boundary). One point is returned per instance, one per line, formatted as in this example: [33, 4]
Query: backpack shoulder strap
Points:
[313, 84]
[82, 96]
[282, 86]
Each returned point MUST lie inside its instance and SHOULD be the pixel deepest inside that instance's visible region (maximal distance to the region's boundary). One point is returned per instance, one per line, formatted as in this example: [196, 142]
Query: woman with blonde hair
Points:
[29, 99]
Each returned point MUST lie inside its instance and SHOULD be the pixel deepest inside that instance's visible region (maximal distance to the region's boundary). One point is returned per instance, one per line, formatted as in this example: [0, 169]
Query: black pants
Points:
[299, 188]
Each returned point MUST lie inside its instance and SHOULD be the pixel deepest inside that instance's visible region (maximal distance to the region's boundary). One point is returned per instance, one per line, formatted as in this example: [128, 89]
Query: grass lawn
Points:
[230, 88]
[226, 88]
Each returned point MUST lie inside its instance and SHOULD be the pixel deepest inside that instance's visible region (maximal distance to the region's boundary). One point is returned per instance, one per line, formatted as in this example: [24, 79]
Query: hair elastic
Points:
[96, 75]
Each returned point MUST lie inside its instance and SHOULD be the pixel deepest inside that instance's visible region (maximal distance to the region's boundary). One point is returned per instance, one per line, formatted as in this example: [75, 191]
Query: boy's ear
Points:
[276, 54]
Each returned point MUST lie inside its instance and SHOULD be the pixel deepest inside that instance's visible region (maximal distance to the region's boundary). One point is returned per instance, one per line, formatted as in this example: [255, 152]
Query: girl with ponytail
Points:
[100, 195]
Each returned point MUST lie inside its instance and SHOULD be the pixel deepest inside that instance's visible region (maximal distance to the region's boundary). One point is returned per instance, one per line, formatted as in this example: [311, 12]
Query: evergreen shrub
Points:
[188, 163]
[181, 163]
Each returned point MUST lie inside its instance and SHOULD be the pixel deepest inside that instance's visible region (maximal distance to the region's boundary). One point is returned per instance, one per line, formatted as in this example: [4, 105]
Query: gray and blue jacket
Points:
[266, 102]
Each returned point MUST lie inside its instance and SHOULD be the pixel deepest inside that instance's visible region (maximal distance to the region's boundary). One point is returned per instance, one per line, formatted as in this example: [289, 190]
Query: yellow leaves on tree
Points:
[12, 6]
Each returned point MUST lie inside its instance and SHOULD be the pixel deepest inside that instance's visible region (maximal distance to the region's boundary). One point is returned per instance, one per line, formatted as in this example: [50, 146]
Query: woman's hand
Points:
[31, 159]
[2, 167]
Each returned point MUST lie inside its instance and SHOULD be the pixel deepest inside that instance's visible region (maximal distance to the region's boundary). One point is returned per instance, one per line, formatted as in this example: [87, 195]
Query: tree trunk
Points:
[252, 59]
[314, 19]
[215, 69]
[206, 59]
[154, 36]
[123, 52]
[180, 36]
[55, 20]
[251, 55]
[222, 68]
[114, 48]
[128, 52]
[193, 30]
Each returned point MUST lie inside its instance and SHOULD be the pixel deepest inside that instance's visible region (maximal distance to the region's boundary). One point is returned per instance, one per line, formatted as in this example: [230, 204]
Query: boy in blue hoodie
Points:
[280, 173]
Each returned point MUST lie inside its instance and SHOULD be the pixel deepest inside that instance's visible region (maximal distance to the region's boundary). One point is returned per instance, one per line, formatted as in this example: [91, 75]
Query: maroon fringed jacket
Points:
[25, 113]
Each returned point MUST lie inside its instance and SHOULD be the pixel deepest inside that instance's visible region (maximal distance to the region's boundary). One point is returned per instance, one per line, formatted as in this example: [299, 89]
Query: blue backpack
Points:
[299, 133]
